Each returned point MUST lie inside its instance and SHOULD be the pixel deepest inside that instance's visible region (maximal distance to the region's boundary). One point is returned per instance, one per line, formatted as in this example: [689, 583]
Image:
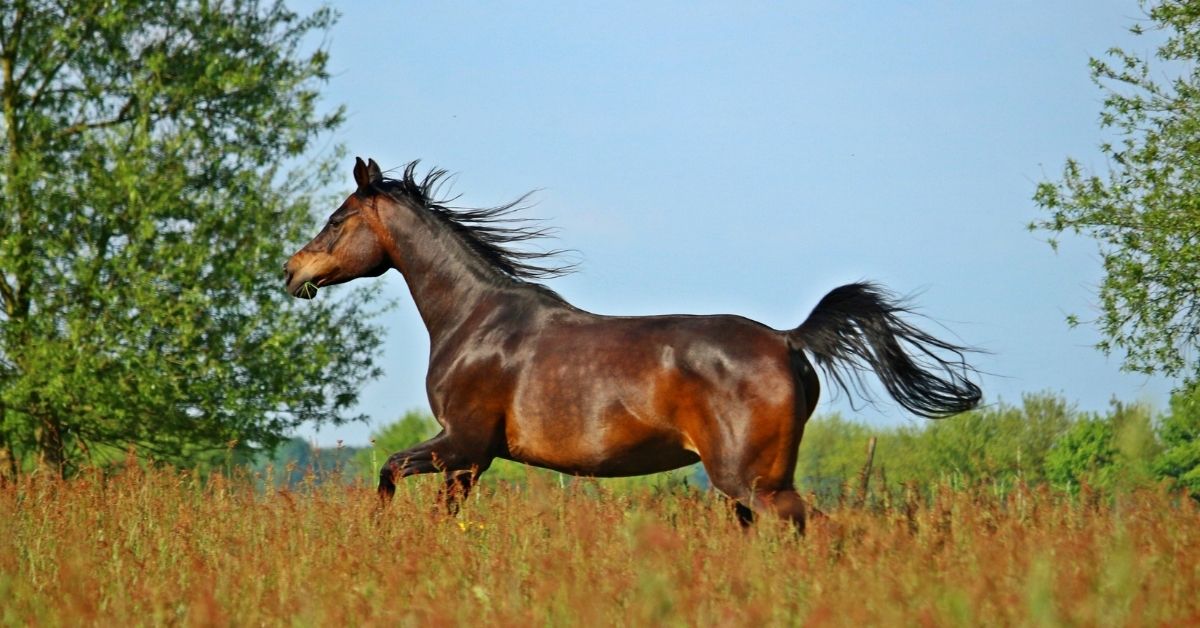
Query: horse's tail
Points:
[858, 327]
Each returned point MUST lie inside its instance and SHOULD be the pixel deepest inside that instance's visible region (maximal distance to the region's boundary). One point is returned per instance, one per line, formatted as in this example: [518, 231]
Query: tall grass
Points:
[167, 548]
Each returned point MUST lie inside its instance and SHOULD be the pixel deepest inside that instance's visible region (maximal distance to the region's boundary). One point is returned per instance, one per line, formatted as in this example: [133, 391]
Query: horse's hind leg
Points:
[744, 514]
[786, 504]
[458, 486]
[758, 478]
[794, 510]
[750, 500]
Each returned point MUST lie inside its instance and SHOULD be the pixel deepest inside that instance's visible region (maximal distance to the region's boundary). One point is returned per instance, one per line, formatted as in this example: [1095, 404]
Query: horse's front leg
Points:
[412, 461]
[461, 460]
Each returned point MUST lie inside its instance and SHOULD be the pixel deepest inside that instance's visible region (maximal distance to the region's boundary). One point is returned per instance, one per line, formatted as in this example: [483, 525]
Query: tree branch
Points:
[14, 33]
[79, 127]
[8, 296]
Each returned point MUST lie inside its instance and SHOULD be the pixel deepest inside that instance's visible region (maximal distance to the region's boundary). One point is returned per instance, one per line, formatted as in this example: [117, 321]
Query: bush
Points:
[1179, 433]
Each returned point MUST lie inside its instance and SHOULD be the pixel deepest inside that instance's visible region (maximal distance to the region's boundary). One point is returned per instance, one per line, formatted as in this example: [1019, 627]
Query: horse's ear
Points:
[360, 173]
[374, 175]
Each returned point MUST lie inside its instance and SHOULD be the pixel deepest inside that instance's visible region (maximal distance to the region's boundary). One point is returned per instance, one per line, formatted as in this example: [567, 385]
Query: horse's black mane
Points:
[489, 232]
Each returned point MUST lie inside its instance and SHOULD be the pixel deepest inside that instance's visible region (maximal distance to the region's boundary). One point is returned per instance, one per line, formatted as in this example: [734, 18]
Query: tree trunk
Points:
[6, 449]
[52, 444]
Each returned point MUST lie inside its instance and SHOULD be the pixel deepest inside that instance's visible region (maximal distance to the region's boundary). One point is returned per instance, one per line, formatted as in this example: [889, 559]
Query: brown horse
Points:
[516, 372]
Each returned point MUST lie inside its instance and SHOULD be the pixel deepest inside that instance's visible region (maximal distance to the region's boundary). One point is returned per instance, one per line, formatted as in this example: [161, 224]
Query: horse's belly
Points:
[614, 467]
[602, 452]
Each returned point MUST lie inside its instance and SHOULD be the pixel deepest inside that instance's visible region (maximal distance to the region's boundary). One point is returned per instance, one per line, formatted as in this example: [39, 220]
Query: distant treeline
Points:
[1042, 441]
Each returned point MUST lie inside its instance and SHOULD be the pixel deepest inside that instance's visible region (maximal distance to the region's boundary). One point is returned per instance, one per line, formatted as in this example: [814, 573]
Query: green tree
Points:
[999, 443]
[1110, 451]
[1085, 453]
[146, 207]
[1179, 433]
[1145, 209]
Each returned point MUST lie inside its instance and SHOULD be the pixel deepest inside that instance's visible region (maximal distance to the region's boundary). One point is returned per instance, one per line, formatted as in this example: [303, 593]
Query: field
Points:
[166, 548]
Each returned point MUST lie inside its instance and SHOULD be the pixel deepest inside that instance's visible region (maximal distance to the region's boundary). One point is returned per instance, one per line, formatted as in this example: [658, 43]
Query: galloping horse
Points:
[516, 372]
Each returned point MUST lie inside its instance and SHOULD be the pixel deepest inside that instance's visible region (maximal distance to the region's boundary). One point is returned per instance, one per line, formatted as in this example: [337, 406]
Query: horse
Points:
[516, 372]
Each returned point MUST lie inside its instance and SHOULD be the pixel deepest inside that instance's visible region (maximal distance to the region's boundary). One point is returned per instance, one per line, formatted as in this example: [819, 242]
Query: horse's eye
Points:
[339, 217]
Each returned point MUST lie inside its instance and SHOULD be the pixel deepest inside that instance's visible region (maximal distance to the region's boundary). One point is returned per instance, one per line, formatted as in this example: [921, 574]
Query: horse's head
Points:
[348, 247]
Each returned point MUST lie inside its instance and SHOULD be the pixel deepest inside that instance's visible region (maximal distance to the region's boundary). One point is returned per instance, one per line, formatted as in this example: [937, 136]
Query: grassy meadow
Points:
[161, 547]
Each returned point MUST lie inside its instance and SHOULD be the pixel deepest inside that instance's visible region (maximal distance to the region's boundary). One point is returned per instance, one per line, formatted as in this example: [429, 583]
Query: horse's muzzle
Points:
[299, 289]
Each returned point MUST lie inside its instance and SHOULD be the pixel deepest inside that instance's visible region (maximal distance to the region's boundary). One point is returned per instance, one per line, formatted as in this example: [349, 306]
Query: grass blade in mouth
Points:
[309, 289]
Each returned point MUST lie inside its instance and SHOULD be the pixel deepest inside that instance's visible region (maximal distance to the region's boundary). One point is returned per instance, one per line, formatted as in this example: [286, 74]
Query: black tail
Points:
[858, 327]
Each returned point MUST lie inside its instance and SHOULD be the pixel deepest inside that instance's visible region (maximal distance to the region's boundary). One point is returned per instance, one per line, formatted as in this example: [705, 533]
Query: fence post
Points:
[864, 476]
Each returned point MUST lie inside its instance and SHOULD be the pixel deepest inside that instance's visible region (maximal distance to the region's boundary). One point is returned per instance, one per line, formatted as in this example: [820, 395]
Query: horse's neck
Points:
[448, 282]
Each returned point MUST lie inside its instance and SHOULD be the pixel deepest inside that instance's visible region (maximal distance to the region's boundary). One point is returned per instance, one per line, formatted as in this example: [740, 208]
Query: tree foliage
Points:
[1179, 433]
[1086, 453]
[145, 211]
[1042, 441]
[1001, 444]
[1145, 209]
[1105, 451]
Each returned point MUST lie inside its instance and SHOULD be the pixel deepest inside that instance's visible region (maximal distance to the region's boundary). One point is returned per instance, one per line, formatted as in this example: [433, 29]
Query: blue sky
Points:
[748, 157]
